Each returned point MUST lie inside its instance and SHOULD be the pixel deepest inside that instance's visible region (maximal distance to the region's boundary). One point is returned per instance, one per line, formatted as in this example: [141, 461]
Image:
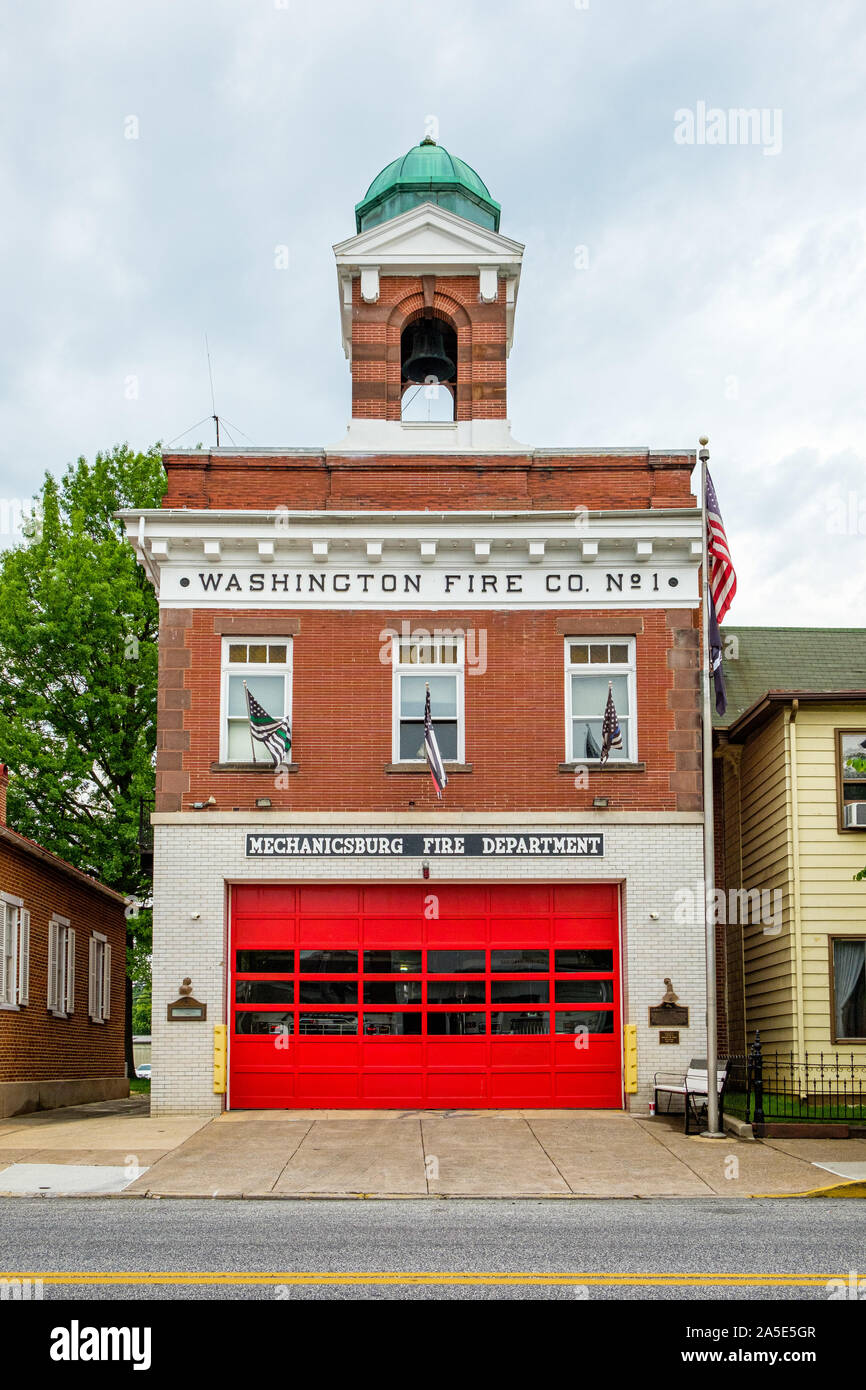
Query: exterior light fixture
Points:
[599, 803]
[263, 803]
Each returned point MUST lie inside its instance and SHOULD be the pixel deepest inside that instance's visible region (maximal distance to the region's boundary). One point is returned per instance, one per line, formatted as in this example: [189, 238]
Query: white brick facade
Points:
[197, 855]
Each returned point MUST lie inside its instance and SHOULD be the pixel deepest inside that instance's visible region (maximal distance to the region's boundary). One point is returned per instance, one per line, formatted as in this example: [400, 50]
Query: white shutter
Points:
[70, 970]
[23, 956]
[53, 938]
[91, 978]
[5, 914]
[106, 981]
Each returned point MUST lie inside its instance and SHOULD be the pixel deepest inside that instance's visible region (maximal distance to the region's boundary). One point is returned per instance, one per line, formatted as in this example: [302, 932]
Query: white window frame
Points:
[98, 978]
[258, 753]
[401, 668]
[607, 669]
[61, 967]
[14, 965]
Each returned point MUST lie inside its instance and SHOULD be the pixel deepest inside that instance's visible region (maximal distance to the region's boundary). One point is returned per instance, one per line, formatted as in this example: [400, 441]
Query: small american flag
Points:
[431, 751]
[611, 734]
[722, 577]
[275, 734]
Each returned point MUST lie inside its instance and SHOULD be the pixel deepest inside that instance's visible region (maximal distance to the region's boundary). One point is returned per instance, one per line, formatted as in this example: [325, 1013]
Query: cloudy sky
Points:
[719, 288]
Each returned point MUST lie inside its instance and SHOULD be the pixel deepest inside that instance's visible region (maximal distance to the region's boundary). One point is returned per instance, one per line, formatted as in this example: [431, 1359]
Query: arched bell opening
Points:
[428, 369]
[430, 401]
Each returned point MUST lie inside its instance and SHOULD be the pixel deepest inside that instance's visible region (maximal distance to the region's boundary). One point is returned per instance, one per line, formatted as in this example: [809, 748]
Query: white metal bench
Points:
[693, 1087]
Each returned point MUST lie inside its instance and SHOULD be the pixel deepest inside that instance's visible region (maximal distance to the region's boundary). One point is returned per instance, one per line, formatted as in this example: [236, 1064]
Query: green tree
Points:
[78, 665]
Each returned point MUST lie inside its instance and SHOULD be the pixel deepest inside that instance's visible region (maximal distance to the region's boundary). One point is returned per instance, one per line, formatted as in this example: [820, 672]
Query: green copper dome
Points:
[427, 174]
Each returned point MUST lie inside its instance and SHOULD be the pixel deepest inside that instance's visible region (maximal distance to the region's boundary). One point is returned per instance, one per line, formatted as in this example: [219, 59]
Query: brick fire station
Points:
[366, 944]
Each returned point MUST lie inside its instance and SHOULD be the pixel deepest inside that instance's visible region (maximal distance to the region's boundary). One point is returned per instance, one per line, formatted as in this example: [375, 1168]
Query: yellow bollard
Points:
[220, 1054]
[629, 1058]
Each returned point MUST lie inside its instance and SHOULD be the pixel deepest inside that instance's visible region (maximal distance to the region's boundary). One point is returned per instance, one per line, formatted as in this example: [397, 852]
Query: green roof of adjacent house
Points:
[427, 174]
[813, 660]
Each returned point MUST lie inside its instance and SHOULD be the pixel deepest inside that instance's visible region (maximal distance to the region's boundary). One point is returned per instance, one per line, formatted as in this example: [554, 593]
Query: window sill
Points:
[253, 767]
[9, 1008]
[422, 770]
[608, 767]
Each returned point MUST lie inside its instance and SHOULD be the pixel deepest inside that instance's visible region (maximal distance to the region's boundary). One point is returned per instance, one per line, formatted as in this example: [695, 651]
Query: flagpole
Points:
[713, 1130]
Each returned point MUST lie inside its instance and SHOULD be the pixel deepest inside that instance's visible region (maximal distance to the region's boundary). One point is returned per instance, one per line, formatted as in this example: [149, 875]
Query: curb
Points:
[835, 1189]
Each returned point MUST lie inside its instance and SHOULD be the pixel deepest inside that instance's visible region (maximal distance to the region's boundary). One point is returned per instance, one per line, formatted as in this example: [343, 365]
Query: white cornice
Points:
[656, 551]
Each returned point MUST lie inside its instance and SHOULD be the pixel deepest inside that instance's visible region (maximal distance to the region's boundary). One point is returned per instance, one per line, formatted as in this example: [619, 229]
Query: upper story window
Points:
[437, 660]
[850, 780]
[61, 967]
[590, 664]
[266, 666]
[14, 953]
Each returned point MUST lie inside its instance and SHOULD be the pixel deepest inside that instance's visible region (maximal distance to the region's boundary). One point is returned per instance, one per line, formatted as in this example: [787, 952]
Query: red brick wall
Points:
[469, 482]
[515, 716]
[481, 343]
[34, 1045]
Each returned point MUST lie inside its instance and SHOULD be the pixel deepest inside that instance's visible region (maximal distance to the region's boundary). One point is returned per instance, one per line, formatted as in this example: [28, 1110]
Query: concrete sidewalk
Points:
[482, 1153]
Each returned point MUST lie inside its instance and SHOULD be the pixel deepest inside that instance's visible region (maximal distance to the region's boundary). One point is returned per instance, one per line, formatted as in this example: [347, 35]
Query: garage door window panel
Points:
[584, 1021]
[384, 1025]
[271, 1023]
[520, 962]
[456, 962]
[316, 962]
[328, 1024]
[456, 1025]
[392, 991]
[264, 991]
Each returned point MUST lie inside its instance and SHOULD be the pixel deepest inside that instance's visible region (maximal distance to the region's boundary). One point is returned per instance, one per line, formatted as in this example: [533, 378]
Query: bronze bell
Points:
[427, 356]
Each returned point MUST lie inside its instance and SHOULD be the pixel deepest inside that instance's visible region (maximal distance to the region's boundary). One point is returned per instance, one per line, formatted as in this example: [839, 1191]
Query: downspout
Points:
[796, 925]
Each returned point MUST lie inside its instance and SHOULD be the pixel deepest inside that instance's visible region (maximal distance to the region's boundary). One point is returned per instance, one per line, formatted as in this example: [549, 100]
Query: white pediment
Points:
[428, 233]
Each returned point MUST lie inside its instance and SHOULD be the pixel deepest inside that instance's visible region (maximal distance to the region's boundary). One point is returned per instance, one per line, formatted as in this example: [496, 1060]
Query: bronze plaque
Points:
[668, 1016]
[186, 1010]
[669, 1037]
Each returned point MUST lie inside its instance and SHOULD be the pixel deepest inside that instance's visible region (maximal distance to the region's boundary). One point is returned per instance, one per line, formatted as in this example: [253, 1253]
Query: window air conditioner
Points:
[855, 816]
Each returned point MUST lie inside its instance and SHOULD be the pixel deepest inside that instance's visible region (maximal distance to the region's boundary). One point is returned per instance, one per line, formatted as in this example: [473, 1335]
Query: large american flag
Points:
[431, 751]
[722, 577]
[275, 734]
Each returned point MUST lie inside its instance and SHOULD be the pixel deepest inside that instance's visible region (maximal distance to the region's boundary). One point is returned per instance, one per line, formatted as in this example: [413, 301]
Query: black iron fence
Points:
[777, 1087]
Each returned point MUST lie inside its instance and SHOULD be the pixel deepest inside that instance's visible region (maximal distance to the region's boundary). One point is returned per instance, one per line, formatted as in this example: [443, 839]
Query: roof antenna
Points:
[214, 416]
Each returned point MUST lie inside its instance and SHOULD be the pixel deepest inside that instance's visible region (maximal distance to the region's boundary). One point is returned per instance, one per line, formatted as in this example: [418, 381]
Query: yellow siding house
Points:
[791, 836]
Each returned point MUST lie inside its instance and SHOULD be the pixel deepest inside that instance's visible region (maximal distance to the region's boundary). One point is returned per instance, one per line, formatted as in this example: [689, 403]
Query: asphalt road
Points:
[427, 1250]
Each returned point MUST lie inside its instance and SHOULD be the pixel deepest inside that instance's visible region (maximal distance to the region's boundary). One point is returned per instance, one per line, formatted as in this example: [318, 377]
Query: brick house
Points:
[62, 980]
[364, 943]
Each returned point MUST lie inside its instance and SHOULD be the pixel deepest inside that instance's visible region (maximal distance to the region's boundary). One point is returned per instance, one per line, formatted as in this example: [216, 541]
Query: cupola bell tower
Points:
[428, 288]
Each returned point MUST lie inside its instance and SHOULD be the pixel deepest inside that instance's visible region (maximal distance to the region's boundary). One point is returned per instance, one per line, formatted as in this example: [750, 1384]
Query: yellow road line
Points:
[420, 1278]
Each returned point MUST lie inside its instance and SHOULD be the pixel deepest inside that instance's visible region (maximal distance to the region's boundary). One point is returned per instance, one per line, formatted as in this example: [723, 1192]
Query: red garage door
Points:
[425, 995]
